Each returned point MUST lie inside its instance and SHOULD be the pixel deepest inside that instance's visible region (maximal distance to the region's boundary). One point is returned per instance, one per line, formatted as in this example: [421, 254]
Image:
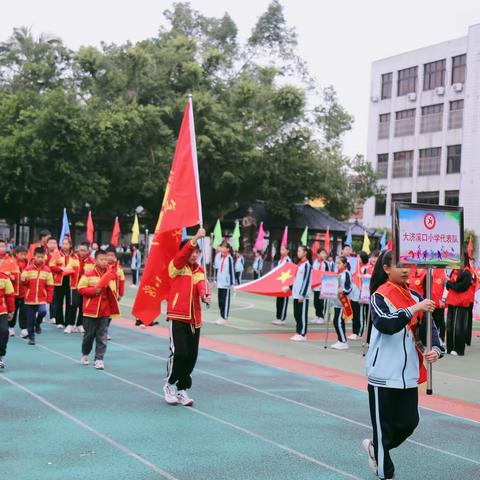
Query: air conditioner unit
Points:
[440, 91]
[412, 96]
[458, 87]
[374, 98]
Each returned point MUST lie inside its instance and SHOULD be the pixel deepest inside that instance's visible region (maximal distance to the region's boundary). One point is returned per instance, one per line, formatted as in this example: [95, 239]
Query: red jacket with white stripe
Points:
[7, 295]
[38, 283]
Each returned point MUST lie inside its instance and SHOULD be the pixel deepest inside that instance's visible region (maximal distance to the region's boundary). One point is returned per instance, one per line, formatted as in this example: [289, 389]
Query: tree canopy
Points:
[99, 125]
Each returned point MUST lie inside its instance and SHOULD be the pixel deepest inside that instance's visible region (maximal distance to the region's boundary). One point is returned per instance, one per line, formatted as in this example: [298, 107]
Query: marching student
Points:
[38, 281]
[3, 250]
[345, 287]
[135, 265]
[19, 288]
[239, 267]
[99, 305]
[473, 291]
[458, 302]
[225, 282]
[301, 289]
[439, 278]
[368, 271]
[331, 263]
[257, 265]
[184, 316]
[44, 236]
[282, 302]
[395, 361]
[7, 307]
[116, 268]
[320, 263]
[51, 247]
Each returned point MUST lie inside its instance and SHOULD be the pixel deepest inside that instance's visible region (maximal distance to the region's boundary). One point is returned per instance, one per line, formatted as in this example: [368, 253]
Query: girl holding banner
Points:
[282, 302]
[395, 362]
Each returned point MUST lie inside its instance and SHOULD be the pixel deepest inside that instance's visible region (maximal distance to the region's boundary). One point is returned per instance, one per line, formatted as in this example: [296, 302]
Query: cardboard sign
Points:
[428, 235]
[365, 289]
[330, 285]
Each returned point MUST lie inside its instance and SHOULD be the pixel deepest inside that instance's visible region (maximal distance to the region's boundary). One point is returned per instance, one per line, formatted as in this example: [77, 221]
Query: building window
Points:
[382, 165]
[429, 161]
[454, 158]
[432, 118]
[380, 204]
[400, 198]
[459, 66]
[434, 75]
[402, 164]
[405, 123]
[455, 118]
[452, 198]
[383, 125]
[387, 79]
[407, 81]
[429, 198]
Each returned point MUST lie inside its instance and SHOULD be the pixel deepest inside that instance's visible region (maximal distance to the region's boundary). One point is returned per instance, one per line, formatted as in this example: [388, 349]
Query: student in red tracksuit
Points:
[184, 314]
[99, 304]
[7, 307]
[439, 277]
[472, 292]
[416, 280]
[115, 266]
[19, 287]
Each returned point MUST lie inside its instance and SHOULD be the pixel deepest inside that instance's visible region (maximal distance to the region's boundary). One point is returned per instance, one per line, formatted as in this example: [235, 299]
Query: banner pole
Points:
[367, 325]
[328, 320]
[429, 331]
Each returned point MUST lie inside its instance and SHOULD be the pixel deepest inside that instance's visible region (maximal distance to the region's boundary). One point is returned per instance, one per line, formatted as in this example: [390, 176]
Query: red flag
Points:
[357, 275]
[470, 248]
[181, 208]
[272, 283]
[327, 241]
[90, 228]
[316, 244]
[390, 245]
[115, 233]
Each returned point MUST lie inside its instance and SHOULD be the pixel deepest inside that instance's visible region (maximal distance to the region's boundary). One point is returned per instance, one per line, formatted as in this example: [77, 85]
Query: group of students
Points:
[62, 281]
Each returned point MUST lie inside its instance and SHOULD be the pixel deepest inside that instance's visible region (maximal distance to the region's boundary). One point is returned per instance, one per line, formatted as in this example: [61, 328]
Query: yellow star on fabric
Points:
[284, 276]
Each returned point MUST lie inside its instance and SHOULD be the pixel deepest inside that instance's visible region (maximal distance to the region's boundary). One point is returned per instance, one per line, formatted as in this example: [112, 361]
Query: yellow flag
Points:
[366, 243]
[135, 231]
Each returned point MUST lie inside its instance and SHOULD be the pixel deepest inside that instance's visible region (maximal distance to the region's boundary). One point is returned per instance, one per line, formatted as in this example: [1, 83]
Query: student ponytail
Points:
[379, 277]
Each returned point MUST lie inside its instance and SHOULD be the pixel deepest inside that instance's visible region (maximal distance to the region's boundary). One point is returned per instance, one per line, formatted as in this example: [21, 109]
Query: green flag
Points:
[217, 235]
[304, 238]
[236, 237]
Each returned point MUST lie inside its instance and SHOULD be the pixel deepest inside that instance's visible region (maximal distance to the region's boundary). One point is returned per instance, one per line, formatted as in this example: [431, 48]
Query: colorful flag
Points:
[357, 278]
[327, 241]
[366, 243]
[390, 245]
[90, 228]
[316, 244]
[181, 208]
[285, 238]
[115, 233]
[304, 238]
[135, 231]
[217, 235]
[236, 237]
[470, 248]
[383, 241]
[349, 240]
[260, 242]
[65, 227]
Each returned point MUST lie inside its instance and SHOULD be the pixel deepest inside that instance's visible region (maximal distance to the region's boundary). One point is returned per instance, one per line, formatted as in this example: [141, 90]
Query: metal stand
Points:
[367, 327]
[429, 331]
[327, 309]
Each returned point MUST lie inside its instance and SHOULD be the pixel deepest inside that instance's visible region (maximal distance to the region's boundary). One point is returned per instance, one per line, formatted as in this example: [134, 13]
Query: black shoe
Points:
[38, 329]
[2, 363]
[31, 341]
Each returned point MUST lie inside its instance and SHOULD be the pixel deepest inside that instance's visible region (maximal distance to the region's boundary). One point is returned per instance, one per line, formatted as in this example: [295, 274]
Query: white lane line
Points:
[90, 429]
[310, 407]
[219, 420]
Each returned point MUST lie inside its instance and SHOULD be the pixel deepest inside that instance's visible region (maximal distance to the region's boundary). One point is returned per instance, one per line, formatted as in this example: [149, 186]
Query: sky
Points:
[339, 40]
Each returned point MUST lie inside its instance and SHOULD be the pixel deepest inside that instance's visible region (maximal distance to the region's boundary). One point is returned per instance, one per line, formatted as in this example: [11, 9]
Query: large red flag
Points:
[181, 208]
[326, 243]
[90, 228]
[115, 233]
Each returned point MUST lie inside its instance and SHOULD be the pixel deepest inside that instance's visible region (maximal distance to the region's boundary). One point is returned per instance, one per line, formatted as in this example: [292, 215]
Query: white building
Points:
[424, 129]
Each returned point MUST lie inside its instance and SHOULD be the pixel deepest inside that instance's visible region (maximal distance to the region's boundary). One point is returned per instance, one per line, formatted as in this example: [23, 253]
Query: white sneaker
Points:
[133, 286]
[221, 321]
[24, 333]
[353, 336]
[317, 321]
[99, 365]
[340, 346]
[74, 329]
[84, 360]
[68, 329]
[11, 332]
[454, 353]
[53, 321]
[143, 326]
[298, 338]
[184, 399]
[2, 363]
[109, 337]
[59, 326]
[367, 445]
[278, 322]
[80, 329]
[170, 394]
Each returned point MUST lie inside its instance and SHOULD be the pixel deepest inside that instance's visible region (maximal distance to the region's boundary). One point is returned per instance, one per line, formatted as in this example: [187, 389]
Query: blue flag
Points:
[65, 228]
[184, 233]
[383, 241]
[348, 240]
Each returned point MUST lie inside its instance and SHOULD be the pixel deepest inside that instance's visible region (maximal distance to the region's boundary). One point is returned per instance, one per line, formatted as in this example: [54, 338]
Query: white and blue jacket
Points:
[225, 272]
[240, 264]
[392, 359]
[345, 283]
[302, 285]
[321, 265]
[283, 261]
[258, 265]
